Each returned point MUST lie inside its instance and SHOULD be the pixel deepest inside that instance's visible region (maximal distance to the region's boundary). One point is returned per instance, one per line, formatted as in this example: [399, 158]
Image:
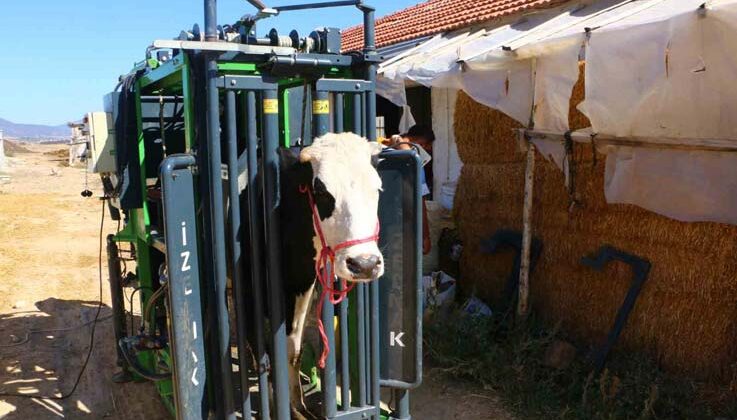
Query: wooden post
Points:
[523, 308]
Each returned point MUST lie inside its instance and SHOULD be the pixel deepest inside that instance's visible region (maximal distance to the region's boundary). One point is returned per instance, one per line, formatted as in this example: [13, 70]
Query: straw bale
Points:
[576, 119]
[484, 135]
[685, 315]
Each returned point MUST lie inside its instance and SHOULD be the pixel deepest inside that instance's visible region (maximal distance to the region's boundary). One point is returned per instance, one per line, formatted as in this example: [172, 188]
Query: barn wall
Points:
[685, 315]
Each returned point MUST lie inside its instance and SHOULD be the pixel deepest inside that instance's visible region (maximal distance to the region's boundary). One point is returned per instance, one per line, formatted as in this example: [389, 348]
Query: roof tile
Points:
[435, 16]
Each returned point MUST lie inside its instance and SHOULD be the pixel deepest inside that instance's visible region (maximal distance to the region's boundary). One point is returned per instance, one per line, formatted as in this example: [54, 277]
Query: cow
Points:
[338, 172]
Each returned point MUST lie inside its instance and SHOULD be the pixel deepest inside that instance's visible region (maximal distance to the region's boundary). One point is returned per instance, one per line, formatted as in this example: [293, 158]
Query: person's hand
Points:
[426, 244]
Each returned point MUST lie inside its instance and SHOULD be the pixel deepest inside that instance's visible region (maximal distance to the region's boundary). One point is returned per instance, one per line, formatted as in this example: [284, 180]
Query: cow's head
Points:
[346, 188]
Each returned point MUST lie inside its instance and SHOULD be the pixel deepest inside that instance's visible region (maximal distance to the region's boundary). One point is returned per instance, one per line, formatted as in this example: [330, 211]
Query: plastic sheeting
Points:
[684, 60]
[655, 69]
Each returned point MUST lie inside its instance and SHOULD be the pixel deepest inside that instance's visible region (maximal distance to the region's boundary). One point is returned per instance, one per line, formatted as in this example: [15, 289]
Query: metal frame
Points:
[245, 81]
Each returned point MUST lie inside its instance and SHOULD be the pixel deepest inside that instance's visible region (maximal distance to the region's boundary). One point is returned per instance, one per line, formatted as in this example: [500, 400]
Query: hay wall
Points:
[685, 315]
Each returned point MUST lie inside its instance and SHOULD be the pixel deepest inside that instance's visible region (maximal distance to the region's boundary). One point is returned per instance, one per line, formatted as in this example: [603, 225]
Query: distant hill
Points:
[33, 131]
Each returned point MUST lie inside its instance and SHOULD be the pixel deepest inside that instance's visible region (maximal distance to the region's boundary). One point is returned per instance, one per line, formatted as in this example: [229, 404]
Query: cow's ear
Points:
[306, 155]
[288, 156]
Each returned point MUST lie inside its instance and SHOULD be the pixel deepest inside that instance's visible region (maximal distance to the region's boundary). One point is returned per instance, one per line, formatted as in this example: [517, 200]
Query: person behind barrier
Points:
[423, 137]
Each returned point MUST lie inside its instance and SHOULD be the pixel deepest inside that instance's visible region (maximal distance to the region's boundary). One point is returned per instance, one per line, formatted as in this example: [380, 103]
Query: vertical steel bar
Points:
[361, 312]
[345, 377]
[218, 238]
[256, 239]
[338, 102]
[401, 396]
[375, 348]
[369, 50]
[357, 112]
[235, 240]
[273, 252]
[321, 122]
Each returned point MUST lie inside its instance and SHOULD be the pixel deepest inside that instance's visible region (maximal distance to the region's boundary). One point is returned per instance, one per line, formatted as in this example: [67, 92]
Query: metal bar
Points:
[321, 5]
[210, 46]
[361, 312]
[321, 124]
[185, 303]
[118, 304]
[211, 20]
[357, 111]
[237, 82]
[321, 112]
[256, 238]
[375, 349]
[355, 414]
[367, 342]
[345, 377]
[236, 262]
[273, 245]
[338, 104]
[401, 396]
[226, 408]
[344, 85]
[316, 60]
[524, 272]
[369, 114]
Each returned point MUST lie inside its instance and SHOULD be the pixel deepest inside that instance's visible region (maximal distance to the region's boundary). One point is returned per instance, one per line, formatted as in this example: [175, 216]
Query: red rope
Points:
[323, 264]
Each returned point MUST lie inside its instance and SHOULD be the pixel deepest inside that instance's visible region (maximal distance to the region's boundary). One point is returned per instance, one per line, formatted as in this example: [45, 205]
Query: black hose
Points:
[135, 367]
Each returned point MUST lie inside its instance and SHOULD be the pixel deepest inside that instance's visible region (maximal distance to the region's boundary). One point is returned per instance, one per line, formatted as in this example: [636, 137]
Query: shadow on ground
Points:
[48, 363]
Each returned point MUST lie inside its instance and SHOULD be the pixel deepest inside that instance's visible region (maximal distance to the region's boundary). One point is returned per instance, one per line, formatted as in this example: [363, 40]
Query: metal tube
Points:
[211, 20]
[361, 312]
[273, 247]
[118, 304]
[321, 124]
[318, 5]
[375, 348]
[290, 61]
[321, 112]
[256, 239]
[357, 112]
[345, 377]
[226, 409]
[236, 261]
[338, 105]
[401, 396]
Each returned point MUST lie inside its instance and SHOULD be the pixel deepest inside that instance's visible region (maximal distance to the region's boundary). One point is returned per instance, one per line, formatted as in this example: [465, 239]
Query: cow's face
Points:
[346, 190]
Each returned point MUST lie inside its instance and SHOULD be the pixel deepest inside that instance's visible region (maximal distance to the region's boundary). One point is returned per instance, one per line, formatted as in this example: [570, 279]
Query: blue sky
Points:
[58, 58]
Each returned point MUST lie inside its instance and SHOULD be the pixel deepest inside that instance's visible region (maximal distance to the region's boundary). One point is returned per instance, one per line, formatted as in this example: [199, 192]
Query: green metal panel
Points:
[237, 67]
[167, 74]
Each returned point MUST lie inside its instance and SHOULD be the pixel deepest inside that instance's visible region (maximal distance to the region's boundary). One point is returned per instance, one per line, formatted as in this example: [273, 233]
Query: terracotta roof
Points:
[436, 16]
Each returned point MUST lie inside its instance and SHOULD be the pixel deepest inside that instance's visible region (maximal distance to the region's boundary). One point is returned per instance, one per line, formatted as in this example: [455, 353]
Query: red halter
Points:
[323, 272]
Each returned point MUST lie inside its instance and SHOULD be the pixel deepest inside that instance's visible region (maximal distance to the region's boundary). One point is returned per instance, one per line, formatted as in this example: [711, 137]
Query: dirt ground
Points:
[49, 280]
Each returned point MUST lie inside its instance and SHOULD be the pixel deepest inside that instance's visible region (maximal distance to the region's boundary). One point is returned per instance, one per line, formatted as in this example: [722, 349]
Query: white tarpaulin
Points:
[684, 59]
[654, 69]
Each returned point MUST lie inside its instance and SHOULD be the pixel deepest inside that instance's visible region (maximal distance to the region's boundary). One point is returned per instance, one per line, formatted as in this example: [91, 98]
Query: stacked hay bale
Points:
[685, 315]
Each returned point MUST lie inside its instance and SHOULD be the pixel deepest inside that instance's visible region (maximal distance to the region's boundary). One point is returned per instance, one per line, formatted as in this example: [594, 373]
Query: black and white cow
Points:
[340, 171]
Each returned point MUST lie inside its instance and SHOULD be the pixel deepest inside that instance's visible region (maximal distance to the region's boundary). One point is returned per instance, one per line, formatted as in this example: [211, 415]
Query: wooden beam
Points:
[662, 143]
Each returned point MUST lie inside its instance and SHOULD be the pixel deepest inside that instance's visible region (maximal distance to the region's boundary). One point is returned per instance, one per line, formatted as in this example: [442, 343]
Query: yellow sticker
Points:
[271, 106]
[321, 107]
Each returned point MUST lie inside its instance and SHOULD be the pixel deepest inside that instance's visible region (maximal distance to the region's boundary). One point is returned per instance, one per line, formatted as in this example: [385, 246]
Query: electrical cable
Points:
[92, 333]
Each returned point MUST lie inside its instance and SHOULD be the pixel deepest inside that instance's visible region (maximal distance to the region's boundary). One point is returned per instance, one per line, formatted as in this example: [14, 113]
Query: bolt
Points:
[232, 82]
[358, 86]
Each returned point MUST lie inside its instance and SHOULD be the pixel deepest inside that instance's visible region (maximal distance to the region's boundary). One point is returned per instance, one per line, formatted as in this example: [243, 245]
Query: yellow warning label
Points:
[321, 107]
[271, 106]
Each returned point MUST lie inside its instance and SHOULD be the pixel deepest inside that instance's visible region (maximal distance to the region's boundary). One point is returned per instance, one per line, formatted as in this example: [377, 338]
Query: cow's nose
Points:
[363, 266]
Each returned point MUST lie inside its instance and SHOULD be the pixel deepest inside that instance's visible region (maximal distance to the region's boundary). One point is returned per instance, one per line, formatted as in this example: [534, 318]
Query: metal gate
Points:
[241, 92]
